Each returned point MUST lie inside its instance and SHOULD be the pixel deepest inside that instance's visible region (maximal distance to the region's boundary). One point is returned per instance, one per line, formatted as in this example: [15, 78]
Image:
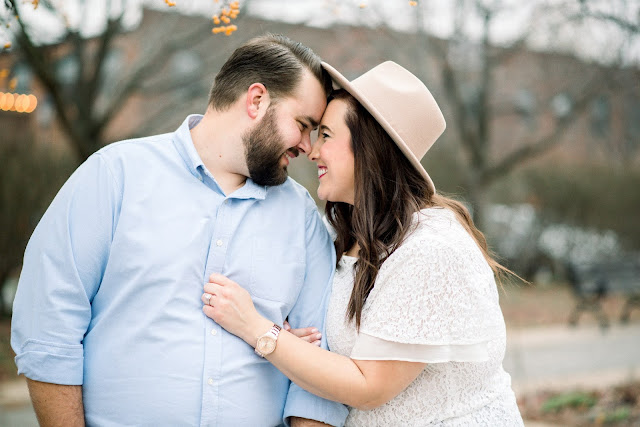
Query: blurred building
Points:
[531, 90]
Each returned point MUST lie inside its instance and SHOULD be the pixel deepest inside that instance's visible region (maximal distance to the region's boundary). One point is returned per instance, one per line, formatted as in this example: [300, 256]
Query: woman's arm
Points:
[363, 384]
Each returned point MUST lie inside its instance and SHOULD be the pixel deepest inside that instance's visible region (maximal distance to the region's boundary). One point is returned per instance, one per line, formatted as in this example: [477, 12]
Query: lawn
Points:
[616, 406]
[528, 305]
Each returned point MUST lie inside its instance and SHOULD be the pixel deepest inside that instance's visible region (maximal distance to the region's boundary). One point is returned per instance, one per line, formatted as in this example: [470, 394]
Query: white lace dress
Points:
[434, 301]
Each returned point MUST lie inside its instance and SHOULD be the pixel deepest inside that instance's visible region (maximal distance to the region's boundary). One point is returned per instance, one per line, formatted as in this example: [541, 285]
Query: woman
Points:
[413, 322]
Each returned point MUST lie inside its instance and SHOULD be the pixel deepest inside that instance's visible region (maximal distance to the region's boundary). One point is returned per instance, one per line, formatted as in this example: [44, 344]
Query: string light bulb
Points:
[20, 103]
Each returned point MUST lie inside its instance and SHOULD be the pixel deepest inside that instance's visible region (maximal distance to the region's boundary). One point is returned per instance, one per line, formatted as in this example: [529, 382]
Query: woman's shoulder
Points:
[438, 273]
[436, 239]
[436, 227]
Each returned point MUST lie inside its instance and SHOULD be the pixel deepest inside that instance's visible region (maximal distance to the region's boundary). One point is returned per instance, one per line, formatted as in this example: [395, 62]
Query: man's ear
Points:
[257, 101]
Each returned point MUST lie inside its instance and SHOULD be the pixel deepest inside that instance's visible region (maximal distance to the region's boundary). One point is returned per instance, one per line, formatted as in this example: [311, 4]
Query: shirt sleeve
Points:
[62, 270]
[434, 301]
[310, 310]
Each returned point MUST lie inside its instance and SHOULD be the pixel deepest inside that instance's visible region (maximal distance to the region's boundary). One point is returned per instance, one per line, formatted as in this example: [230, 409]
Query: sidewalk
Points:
[555, 357]
[561, 357]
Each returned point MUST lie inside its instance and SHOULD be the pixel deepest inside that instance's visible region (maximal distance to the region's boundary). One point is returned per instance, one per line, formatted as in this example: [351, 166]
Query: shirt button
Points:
[210, 381]
[200, 178]
[214, 332]
[218, 242]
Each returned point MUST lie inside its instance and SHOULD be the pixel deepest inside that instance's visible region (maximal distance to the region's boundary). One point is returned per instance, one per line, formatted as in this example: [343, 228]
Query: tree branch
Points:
[485, 89]
[153, 60]
[632, 27]
[468, 136]
[34, 55]
[531, 150]
[95, 79]
[166, 111]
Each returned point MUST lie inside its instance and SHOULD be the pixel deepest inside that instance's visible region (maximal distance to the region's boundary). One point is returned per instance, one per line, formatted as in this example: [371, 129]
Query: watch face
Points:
[266, 345]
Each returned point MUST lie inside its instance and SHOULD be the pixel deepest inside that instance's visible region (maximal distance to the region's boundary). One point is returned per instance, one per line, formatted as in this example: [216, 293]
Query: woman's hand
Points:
[310, 335]
[230, 306]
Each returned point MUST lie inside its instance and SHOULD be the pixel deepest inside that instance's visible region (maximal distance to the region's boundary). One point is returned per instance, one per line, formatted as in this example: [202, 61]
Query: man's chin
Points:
[271, 181]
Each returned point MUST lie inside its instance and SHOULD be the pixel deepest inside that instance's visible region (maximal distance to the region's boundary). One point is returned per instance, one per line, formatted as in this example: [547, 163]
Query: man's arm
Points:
[63, 266]
[58, 405]
[304, 422]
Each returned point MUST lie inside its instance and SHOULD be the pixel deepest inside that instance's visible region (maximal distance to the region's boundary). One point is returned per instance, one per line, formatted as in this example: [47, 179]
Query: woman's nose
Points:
[313, 152]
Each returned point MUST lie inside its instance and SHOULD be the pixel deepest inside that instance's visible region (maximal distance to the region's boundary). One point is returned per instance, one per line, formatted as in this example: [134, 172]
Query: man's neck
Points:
[221, 151]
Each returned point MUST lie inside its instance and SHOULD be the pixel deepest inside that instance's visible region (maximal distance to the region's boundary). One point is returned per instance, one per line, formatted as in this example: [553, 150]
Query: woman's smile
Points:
[322, 170]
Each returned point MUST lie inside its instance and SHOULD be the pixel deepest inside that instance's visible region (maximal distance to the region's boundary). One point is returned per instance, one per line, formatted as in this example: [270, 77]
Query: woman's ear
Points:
[257, 101]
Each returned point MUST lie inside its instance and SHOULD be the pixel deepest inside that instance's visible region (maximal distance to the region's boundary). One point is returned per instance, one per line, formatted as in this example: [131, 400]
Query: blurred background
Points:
[542, 102]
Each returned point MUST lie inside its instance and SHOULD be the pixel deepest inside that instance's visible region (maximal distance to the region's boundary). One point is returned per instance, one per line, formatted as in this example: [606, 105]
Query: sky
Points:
[538, 18]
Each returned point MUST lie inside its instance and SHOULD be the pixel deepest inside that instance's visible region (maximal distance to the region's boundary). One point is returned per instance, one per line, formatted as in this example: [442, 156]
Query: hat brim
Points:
[345, 84]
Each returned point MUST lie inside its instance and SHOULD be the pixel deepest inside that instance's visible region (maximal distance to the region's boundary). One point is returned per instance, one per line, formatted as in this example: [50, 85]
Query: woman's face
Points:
[333, 154]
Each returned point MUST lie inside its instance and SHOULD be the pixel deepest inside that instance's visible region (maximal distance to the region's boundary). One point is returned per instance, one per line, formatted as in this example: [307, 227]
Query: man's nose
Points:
[305, 143]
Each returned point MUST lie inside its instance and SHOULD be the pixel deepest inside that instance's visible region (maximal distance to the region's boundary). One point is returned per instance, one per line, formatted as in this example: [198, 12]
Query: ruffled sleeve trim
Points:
[368, 347]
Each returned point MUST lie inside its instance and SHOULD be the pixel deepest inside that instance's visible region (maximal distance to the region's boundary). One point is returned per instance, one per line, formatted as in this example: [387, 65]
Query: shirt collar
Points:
[184, 144]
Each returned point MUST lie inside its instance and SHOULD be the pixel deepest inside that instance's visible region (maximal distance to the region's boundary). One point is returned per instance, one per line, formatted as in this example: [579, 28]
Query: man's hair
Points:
[273, 60]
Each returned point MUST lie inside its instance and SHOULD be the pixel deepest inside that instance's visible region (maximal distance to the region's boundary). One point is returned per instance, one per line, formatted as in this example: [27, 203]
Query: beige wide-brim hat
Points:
[402, 105]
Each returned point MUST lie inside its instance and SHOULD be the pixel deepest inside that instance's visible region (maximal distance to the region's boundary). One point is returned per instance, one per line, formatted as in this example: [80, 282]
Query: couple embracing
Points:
[112, 324]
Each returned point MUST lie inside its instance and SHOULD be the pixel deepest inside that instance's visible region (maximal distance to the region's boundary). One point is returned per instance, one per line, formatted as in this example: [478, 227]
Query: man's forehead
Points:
[312, 98]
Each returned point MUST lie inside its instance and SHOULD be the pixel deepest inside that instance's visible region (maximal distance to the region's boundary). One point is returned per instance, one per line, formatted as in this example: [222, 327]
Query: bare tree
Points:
[84, 104]
[87, 96]
[468, 66]
[21, 204]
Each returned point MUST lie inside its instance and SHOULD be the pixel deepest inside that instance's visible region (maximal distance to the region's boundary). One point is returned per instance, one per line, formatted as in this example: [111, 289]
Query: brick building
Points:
[531, 91]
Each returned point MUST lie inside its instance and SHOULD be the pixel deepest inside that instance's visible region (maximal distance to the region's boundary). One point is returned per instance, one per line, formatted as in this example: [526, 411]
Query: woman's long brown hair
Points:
[388, 191]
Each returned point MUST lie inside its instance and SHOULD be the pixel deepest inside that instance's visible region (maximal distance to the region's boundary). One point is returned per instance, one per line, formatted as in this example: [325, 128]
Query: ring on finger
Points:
[207, 298]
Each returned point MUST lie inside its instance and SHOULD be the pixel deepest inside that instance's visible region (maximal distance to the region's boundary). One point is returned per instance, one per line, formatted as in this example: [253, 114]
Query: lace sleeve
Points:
[368, 347]
[437, 291]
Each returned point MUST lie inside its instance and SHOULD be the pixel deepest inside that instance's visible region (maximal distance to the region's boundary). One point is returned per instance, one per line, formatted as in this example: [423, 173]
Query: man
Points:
[108, 325]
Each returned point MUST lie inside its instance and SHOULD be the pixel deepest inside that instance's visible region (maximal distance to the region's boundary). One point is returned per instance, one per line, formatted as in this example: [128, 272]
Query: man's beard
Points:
[263, 147]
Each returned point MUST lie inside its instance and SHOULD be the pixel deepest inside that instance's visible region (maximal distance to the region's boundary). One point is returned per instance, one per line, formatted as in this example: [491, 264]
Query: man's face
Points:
[264, 148]
[284, 132]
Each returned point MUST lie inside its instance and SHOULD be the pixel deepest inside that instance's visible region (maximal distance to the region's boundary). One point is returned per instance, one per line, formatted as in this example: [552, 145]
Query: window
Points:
[633, 124]
[601, 116]
[525, 104]
[561, 105]
[24, 77]
[112, 66]
[184, 64]
[67, 70]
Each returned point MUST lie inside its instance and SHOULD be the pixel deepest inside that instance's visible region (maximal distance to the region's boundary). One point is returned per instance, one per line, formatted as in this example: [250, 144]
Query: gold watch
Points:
[267, 343]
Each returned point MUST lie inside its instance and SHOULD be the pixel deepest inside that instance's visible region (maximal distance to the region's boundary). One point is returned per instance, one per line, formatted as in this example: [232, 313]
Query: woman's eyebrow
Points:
[325, 127]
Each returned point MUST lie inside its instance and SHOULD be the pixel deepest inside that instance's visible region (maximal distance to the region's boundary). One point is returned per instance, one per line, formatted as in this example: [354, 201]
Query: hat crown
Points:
[401, 104]
[406, 104]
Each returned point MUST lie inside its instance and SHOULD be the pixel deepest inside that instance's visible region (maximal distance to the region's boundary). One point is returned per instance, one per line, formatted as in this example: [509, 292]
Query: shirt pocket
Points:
[277, 271]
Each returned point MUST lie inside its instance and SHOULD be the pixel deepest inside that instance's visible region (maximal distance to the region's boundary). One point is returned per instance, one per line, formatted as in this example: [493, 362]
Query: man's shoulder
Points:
[137, 153]
[136, 145]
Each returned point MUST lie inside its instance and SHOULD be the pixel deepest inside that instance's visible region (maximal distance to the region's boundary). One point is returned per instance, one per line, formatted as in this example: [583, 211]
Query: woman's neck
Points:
[353, 252]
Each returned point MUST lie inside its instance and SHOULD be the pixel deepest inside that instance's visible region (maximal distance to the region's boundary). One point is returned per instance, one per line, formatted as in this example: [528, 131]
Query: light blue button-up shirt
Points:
[109, 295]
